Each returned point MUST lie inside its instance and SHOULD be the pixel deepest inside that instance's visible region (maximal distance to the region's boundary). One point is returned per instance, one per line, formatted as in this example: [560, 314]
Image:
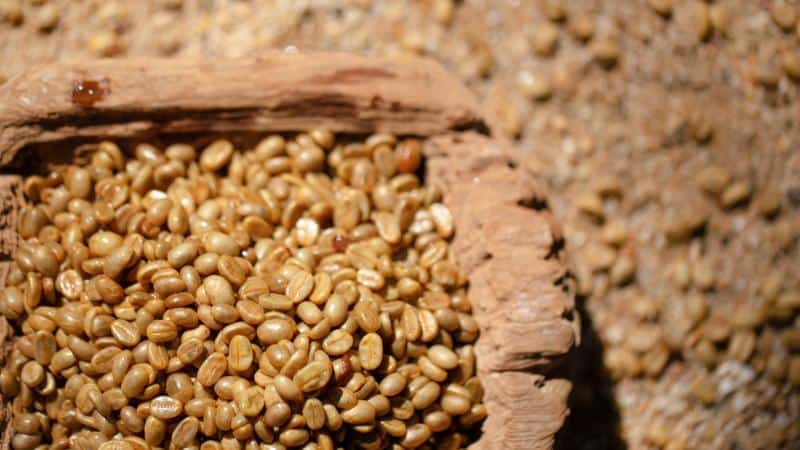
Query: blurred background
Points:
[665, 131]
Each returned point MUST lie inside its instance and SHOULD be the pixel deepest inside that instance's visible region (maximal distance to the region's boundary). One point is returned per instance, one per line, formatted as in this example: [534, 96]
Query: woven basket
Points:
[505, 239]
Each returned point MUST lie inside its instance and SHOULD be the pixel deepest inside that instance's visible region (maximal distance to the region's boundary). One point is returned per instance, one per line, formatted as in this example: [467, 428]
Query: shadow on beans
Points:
[593, 423]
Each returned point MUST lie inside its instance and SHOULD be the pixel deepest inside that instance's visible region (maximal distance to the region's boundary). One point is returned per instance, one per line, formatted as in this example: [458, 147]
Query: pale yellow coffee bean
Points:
[240, 353]
[370, 351]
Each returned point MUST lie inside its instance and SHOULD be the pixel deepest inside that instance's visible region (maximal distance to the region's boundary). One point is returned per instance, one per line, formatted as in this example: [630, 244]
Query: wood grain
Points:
[511, 253]
[278, 92]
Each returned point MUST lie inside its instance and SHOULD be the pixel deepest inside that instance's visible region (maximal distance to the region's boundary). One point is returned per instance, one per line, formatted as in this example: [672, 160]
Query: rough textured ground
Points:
[666, 131]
